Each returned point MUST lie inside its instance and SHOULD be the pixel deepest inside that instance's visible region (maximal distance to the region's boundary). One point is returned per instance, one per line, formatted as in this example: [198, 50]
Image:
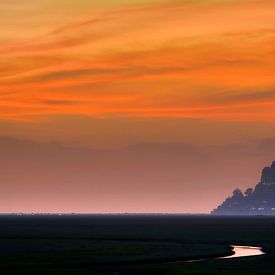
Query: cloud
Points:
[230, 97]
[154, 60]
[76, 26]
[58, 102]
[254, 96]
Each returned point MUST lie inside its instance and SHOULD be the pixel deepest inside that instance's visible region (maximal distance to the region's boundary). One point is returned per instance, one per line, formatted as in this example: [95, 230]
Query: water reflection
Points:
[239, 251]
[244, 251]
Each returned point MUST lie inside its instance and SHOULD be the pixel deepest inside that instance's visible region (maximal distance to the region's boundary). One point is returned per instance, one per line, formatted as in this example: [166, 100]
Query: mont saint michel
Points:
[257, 201]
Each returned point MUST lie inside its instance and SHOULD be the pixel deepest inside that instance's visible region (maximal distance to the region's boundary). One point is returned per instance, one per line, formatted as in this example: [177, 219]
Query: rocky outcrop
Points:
[257, 201]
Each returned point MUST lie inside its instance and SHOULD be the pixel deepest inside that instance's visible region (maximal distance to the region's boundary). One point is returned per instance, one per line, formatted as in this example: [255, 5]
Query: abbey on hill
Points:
[258, 201]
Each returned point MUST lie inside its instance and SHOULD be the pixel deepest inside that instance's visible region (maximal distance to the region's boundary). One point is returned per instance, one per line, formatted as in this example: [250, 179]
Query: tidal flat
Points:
[134, 244]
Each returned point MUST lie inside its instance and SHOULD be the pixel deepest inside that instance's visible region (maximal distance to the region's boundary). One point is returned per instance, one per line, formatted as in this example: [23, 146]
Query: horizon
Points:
[134, 106]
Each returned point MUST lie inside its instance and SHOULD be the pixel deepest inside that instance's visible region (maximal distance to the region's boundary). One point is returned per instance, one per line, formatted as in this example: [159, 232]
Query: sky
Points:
[142, 105]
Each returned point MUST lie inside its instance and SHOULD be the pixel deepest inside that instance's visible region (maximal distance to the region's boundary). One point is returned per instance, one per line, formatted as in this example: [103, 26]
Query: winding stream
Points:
[244, 251]
[239, 251]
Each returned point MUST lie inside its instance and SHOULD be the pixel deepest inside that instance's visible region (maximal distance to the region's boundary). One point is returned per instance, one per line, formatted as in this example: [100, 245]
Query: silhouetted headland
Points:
[257, 201]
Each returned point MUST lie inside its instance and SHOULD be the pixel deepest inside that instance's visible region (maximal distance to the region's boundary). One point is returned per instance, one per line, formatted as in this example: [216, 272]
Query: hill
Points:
[257, 201]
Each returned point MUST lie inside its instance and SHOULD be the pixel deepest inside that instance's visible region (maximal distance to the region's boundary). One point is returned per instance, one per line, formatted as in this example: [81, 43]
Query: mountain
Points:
[257, 201]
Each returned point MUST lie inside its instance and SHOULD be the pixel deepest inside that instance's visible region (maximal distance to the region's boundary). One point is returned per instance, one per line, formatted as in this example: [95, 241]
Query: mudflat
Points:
[134, 244]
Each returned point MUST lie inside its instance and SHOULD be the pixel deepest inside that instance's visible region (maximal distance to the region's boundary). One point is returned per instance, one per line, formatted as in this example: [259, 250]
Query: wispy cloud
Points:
[158, 59]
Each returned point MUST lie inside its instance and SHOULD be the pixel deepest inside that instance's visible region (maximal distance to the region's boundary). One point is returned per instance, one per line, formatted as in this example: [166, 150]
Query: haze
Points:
[134, 106]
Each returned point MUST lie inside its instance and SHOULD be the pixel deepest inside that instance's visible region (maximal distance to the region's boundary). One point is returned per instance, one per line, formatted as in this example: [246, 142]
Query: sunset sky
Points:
[145, 102]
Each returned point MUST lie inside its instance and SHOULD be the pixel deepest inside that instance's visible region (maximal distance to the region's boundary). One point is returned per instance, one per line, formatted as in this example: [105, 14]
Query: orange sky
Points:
[188, 59]
[112, 73]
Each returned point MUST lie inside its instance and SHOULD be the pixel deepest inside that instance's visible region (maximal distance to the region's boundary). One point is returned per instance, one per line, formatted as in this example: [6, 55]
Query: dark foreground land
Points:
[125, 244]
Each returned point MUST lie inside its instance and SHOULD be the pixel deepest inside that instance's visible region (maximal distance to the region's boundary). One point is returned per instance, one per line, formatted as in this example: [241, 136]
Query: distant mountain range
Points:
[257, 201]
